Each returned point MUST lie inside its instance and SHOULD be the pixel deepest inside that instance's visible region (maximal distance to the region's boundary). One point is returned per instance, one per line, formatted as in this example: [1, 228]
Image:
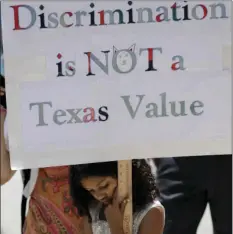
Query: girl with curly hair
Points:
[94, 191]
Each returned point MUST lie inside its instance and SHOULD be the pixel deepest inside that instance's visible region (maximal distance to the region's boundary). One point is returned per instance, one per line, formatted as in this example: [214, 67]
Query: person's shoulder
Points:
[157, 204]
[155, 210]
[154, 207]
[153, 220]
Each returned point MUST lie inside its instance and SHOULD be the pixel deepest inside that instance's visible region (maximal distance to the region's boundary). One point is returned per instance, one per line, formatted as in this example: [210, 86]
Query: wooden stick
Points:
[125, 190]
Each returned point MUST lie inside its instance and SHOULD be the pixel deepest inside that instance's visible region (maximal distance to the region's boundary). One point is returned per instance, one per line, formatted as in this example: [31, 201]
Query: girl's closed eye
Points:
[105, 186]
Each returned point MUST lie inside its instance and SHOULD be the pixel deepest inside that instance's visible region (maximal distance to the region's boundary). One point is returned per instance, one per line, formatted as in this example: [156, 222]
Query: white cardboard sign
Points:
[112, 80]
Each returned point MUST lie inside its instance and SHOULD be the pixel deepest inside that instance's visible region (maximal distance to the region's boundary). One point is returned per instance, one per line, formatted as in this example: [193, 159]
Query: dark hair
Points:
[145, 190]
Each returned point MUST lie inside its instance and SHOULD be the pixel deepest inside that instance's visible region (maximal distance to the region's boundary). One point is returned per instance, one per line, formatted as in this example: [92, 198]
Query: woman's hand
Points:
[114, 214]
[3, 98]
[2, 91]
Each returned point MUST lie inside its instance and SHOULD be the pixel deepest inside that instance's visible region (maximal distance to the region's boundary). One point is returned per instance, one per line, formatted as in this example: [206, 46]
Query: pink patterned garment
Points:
[50, 207]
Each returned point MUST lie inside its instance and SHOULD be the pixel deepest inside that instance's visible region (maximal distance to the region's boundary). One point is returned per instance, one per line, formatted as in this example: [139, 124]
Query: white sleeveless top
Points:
[102, 227]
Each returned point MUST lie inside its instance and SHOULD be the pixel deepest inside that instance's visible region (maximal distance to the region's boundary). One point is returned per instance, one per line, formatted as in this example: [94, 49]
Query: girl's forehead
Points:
[93, 181]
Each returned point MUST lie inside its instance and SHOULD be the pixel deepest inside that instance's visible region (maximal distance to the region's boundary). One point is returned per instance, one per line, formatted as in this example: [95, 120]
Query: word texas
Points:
[123, 61]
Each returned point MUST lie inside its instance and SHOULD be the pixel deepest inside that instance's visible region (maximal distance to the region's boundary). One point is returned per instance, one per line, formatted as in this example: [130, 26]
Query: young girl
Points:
[94, 192]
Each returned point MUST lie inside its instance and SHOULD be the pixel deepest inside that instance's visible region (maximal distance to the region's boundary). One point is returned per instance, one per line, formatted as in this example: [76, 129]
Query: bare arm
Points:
[153, 222]
[6, 172]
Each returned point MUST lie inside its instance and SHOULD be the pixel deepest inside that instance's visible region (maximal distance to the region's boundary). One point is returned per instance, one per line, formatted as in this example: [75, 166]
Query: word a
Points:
[69, 116]
[123, 61]
[162, 108]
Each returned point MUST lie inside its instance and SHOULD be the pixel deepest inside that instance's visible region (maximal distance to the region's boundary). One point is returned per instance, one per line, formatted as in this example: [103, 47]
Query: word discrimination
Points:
[128, 14]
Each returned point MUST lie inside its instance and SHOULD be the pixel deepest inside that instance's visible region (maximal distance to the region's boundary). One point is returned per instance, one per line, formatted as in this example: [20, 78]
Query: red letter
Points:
[17, 20]
[89, 117]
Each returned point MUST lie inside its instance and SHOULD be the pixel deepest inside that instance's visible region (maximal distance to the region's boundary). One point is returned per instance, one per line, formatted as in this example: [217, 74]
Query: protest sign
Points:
[100, 81]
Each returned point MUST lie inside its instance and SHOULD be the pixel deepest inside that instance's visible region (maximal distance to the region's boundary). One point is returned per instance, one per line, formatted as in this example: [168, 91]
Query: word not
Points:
[70, 116]
[123, 61]
[162, 108]
[183, 11]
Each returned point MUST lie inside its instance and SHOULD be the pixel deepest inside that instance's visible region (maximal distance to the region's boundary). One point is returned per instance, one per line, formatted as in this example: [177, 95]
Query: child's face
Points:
[101, 188]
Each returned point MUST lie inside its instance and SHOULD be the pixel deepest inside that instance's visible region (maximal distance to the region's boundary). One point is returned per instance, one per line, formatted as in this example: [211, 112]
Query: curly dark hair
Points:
[145, 190]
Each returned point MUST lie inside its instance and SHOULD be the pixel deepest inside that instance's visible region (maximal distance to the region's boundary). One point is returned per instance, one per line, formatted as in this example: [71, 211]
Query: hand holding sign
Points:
[115, 213]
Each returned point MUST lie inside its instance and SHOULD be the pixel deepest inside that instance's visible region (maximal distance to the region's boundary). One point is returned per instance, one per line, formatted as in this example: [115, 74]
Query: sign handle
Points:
[125, 190]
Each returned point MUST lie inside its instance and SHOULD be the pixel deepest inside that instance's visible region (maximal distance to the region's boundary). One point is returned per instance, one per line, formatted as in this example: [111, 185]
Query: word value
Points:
[123, 61]
[162, 108]
[69, 116]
